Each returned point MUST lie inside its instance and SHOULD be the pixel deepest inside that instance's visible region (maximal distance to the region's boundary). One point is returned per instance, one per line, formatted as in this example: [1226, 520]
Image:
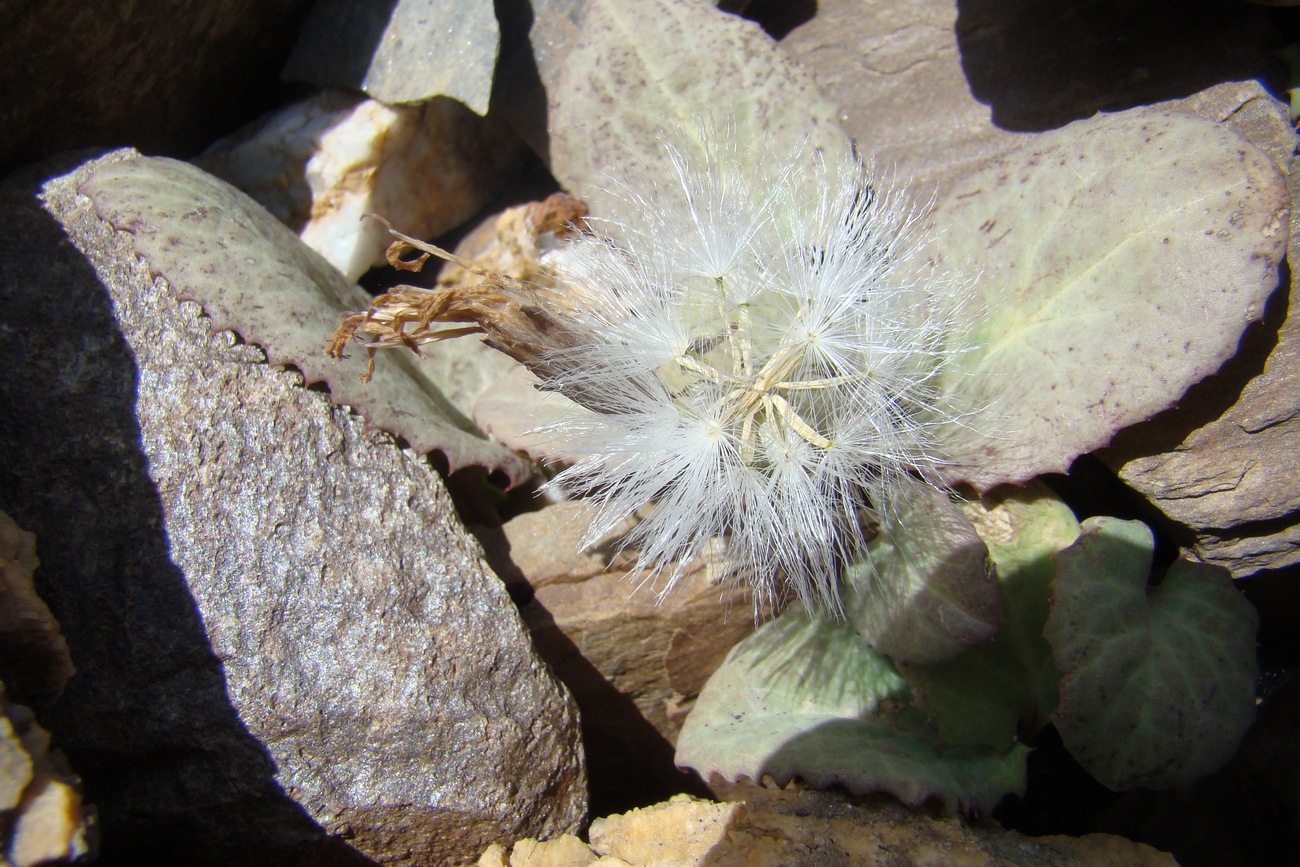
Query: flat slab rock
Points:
[288, 650]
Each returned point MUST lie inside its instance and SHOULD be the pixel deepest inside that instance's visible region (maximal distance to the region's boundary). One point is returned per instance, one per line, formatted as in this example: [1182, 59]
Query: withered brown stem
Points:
[510, 313]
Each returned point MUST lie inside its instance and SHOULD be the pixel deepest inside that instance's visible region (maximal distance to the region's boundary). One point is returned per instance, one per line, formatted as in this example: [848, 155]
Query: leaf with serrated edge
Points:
[1119, 260]
[1157, 685]
[621, 76]
[1007, 686]
[808, 699]
[926, 591]
[252, 275]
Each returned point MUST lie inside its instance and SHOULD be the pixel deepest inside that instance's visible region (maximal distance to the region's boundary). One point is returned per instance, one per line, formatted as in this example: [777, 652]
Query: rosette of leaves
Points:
[1149, 686]
[1093, 317]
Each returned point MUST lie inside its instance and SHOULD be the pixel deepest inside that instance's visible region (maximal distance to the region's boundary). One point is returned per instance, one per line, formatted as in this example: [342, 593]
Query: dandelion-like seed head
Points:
[760, 363]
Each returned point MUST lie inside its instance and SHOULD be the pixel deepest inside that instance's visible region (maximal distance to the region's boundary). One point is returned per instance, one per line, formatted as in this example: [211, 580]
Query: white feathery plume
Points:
[760, 364]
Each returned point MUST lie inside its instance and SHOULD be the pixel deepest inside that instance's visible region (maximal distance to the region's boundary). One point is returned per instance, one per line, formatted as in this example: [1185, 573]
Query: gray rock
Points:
[288, 650]
[400, 51]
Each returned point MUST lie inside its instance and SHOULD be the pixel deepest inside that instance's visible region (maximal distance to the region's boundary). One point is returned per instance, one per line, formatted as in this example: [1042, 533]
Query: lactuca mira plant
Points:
[765, 362]
[755, 354]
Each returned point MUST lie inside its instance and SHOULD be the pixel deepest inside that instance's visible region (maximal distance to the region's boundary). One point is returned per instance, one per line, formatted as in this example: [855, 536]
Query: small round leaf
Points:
[1157, 685]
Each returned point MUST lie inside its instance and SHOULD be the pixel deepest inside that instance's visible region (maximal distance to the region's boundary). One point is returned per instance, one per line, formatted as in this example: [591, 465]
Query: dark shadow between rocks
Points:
[518, 95]
[629, 763]
[146, 721]
[1040, 64]
[776, 17]
[1276, 596]
[338, 41]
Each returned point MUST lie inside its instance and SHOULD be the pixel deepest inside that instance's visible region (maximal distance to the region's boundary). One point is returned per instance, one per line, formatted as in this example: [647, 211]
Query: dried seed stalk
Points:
[511, 314]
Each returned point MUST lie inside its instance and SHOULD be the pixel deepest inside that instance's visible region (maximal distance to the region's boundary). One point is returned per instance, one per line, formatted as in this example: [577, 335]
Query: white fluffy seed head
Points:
[760, 364]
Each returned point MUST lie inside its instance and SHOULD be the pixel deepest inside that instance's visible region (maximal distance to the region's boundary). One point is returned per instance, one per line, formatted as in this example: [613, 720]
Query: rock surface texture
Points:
[166, 76]
[812, 829]
[933, 90]
[288, 650]
[634, 662]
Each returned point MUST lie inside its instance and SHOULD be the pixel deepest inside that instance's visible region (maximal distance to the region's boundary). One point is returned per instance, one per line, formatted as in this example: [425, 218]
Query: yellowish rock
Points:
[564, 851]
[15, 765]
[680, 831]
[51, 826]
[320, 164]
[775, 828]
[45, 821]
[494, 856]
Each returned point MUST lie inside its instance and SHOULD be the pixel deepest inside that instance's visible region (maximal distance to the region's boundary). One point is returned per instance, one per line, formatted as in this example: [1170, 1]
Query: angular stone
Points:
[634, 662]
[322, 164]
[288, 650]
[400, 51]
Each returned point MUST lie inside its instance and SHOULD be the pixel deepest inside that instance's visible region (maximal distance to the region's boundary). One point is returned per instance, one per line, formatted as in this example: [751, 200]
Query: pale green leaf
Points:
[1006, 687]
[622, 76]
[1119, 259]
[808, 699]
[1157, 684]
[252, 275]
[926, 591]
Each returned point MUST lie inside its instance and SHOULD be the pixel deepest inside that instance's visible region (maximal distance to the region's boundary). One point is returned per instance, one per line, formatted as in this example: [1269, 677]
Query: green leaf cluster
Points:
[1149, 686]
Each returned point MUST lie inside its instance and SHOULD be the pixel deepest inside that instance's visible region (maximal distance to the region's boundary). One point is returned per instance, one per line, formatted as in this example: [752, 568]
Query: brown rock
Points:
[33, 653]
[895, 70]
[933, 90]
[634, 662]
[289, 651]
[165, 76]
